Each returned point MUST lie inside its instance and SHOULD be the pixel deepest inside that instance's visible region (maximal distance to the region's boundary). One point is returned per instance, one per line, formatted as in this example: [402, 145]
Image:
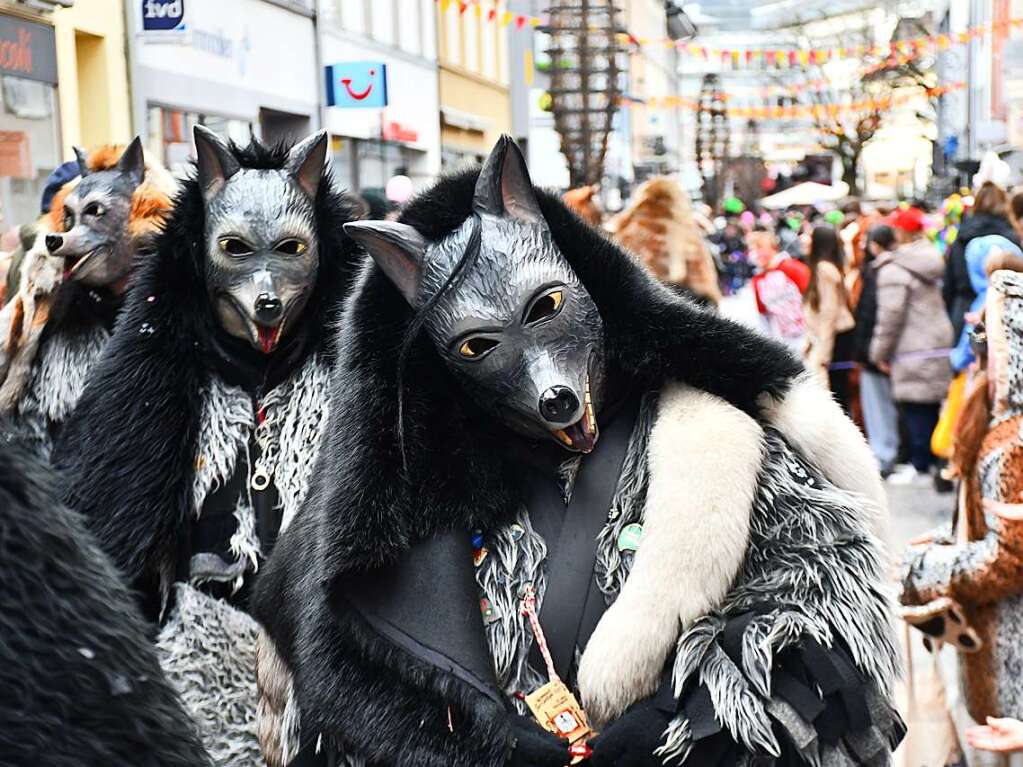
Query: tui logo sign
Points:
[357, 84]
[163, 15]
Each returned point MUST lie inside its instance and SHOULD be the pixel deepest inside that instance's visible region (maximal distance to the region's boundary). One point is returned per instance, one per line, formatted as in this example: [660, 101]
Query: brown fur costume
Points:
[582, 200]
[23, 318]
[659, 226]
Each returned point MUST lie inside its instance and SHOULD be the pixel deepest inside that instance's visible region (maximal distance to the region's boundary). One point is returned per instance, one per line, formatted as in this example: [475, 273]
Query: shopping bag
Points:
[943, 436]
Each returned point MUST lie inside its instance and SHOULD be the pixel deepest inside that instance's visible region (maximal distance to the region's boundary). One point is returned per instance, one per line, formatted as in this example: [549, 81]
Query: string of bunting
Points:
[902, 51]
[753, 58]
[798, 111]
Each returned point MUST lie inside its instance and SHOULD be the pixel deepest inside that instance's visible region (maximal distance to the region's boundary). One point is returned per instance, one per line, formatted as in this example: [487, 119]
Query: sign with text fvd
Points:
[357, 84]
[163, 16]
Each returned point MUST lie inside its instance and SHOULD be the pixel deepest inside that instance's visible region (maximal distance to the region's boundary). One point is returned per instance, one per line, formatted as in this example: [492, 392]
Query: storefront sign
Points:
[15, 155]
[357, 84]
[395, 131]
[163, 17]
[27, 50]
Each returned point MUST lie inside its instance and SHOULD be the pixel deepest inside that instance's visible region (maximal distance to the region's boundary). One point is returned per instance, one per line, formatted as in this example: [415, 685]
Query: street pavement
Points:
[915, 510]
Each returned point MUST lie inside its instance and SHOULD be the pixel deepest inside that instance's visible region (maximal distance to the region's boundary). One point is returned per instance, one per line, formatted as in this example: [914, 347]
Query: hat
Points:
[61, 175]
[907, 219]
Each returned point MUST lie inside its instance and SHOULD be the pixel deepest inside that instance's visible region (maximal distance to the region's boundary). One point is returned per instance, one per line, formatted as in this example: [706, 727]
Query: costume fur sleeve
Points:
[80, 681]
[797, 661]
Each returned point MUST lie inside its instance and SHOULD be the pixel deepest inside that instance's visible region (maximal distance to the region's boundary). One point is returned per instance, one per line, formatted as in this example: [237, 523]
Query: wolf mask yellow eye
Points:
[476, 347]
[545, 306]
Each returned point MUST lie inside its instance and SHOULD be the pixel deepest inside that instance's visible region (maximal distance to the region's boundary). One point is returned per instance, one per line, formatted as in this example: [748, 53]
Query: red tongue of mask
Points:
[267, 338]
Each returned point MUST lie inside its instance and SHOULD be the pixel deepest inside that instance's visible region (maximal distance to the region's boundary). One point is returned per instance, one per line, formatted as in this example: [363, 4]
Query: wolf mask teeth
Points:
[262, 254]
[517, 327]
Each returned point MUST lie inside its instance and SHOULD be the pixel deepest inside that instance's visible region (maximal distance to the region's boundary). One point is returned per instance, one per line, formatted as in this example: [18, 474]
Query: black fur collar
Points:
[126, 454]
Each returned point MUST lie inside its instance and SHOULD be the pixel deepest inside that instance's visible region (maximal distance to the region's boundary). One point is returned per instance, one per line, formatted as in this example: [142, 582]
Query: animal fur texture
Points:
[695, 533]
[834, 443]
[378, 702]
[812, 554]
[208, 652]
[80, 679]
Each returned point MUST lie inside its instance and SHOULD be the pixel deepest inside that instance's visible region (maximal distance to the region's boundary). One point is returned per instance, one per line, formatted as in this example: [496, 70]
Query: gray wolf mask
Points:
[261, 255]
[503, 307]
[95, 245]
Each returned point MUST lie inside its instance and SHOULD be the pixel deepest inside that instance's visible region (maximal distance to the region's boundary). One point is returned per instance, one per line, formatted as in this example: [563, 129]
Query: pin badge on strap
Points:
[554, 706]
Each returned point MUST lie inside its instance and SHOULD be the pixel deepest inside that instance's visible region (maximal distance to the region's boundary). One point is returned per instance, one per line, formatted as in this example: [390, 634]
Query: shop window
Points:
[29, 147]
[170, 134]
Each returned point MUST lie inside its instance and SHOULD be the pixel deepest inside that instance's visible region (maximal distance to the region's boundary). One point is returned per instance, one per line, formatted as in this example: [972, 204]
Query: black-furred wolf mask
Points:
[502, 305]
[261, 253]
[95, 244]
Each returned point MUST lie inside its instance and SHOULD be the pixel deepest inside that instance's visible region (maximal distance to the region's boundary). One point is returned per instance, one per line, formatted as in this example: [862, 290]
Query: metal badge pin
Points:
[260, 480]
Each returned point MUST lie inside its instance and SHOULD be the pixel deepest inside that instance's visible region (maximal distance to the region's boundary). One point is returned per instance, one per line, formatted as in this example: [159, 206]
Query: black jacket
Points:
[956, 290]
[865, 315]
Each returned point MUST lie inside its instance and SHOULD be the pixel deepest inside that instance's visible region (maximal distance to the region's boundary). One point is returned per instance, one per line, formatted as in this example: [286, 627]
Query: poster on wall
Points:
[15, 155]
[357, 84]
[163, 20]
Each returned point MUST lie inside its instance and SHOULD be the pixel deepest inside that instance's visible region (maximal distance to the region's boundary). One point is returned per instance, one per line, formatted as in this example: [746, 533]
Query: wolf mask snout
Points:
[559, 404]
[54, 242]
[269, 309]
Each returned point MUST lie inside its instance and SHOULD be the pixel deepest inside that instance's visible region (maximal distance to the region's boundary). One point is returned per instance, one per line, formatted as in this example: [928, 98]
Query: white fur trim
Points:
[814, 423]
[705, 458]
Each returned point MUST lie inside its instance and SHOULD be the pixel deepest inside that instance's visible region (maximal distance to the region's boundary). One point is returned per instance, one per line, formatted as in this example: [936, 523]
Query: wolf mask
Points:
[95, 245]
[503, 307]
[261, 253]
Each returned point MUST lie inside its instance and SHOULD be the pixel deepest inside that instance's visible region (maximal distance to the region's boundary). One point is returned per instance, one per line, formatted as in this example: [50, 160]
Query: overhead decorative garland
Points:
[797, 111]
[753, 58]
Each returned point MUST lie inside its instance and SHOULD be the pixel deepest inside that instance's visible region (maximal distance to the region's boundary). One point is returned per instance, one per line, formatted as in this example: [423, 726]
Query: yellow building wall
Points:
[95, 103]
[472, 56]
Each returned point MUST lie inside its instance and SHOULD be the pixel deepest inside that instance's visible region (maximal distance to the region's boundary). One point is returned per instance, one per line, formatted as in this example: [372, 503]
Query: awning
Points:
[456, 118]
[807, 193]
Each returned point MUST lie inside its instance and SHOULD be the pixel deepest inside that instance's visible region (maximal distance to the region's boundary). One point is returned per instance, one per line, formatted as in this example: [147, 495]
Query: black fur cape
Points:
[126, 456]
[364, 510]
[81, 683]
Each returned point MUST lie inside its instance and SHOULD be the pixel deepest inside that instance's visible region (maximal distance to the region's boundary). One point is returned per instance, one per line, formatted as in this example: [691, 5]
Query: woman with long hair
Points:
[826, 307]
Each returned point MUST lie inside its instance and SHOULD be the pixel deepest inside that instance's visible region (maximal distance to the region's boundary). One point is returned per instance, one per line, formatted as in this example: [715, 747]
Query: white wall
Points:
[411, 70]
[255, 53]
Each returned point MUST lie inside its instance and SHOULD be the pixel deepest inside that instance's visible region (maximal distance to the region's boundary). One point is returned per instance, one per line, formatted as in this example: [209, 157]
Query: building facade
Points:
[30, 110]
[392, 43]
[239, 67]
[472, 55]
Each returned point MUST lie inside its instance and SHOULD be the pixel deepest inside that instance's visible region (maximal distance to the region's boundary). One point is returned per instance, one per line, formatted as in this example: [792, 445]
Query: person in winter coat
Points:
[984, 256]
[193, 444]
[826, 308]
[990, 215]
[912, 334]
[968, 586]
[778, 287]
[880, 416]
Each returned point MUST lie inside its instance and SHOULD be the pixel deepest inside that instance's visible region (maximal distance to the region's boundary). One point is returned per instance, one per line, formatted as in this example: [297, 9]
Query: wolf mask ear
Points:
[398, 249]
[83, 161]
[305, 162]
[133, 162]
[216, 163]
[504, 186]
